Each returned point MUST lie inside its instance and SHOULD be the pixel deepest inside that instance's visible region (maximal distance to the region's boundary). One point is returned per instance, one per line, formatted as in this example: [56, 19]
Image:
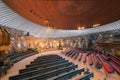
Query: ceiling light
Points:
[83, 27]
[95, 25]
[79, 28]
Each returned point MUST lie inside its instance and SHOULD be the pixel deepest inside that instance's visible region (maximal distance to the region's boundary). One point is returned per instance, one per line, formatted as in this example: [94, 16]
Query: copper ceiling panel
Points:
[67, 14]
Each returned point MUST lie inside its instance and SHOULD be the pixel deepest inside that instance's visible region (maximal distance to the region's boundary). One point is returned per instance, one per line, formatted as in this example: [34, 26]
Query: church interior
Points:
[59, 39]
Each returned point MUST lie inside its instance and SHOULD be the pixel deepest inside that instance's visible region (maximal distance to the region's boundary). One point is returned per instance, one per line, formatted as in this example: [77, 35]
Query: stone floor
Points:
[98, 74]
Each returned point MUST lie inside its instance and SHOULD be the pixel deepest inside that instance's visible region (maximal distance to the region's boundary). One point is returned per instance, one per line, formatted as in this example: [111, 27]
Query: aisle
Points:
[21, 64]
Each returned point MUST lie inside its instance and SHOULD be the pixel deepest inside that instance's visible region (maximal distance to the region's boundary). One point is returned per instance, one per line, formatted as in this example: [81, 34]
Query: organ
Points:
[4, 45]
[4, 39]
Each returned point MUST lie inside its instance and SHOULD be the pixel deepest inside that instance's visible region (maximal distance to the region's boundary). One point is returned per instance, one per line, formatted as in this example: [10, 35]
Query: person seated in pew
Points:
[98, 65]
[87, 71]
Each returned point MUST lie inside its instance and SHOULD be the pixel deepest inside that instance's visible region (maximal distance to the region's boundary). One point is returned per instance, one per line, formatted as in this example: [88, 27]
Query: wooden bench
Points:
[52, 73]
[106, 66]
[46, 64]
[90, 60]
[115, 60]
[38, 67]
[84, 58]
[43, 59]
[40, 71]
[115, 66]
[76, 55]
[69, 75]
[87, 76]
[80, 57]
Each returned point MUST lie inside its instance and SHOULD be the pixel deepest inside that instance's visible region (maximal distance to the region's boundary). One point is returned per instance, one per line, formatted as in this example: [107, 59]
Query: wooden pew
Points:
[115, 66]
[87, 76]
[43, 64]
[80, 56]
[52, 73]
[84, 58]
[76, 55]
[90, 60]
[69, 52]
[72, 56]
[115, 57]
[44, 60]
[97, 62]
[106, 66]
[47, 56]
[117, 61]
[39, 67]
[107, 58]
[40, 71]
[69, 75]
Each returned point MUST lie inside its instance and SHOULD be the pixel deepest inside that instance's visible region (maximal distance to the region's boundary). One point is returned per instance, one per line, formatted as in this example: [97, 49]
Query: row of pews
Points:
[8, 61]
[49, 67]
[109, 63]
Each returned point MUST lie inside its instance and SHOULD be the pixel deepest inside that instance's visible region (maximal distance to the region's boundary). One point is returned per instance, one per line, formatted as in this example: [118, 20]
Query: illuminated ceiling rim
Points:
[11, 19]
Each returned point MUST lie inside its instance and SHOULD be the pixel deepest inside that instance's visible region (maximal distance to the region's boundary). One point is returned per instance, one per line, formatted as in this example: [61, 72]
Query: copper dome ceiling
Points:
[67, 14]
